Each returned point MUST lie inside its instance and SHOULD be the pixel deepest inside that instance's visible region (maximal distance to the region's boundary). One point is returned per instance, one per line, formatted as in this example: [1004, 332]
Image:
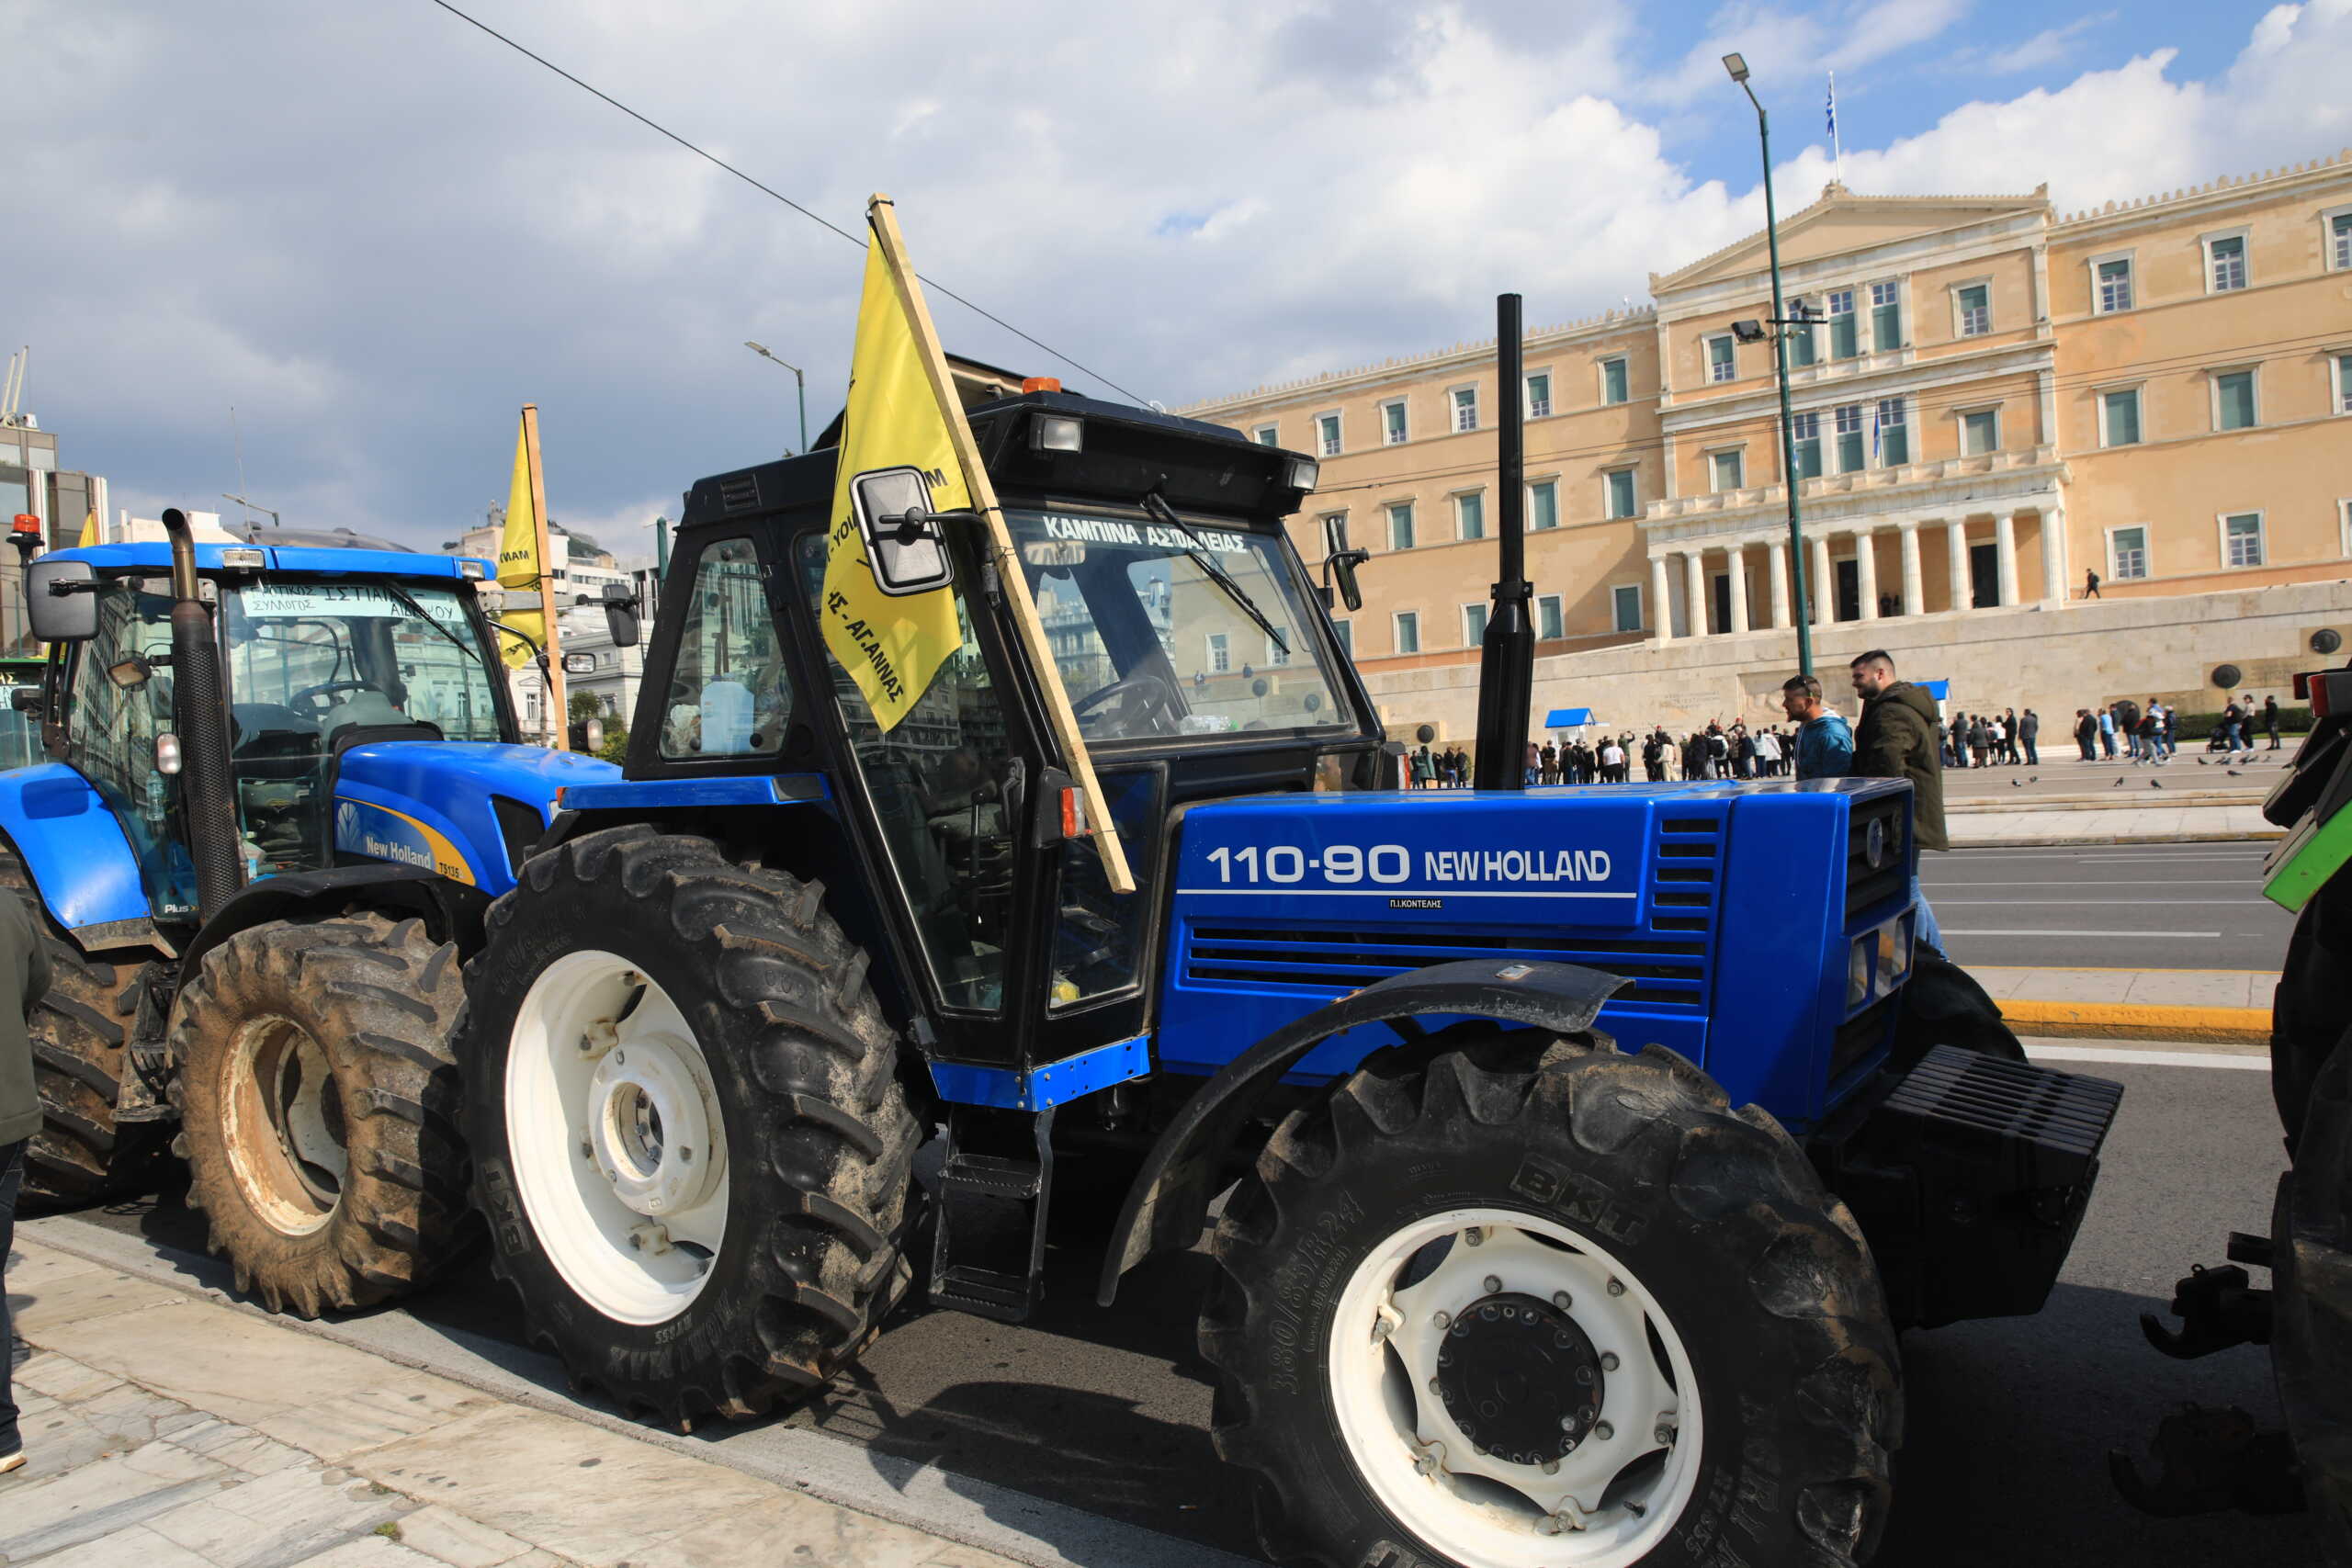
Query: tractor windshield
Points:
[1164, 631]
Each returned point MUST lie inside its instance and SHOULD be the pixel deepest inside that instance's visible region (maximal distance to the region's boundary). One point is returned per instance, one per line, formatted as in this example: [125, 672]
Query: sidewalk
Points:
[2221, 1006]
[2075, 822]
[166, 1431]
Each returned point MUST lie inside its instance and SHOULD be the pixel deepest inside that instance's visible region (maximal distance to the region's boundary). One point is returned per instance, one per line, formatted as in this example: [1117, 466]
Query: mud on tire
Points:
[1715, 1214]
[318, 1097]
[81, 1029]
[819, 1137]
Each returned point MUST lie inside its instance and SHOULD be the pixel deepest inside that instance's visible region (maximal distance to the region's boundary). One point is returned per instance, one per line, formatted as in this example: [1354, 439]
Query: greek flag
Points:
[1875, 436]
[1833, 108]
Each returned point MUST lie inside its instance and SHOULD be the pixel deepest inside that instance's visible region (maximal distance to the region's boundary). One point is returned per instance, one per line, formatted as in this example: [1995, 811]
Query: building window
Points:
[2127, 552]
[1729, 470]
[1470, 516]
[1721, 364]
[1220, 655]
[1804, 429]
[1886, 317]
[2339, 241]
[1626, 601]
[1326, 435]
[1619, 498]
[1392, 424]
[2119, 418]
[1466, 408]
[1801, 349]
[1277, 654]
[1890, 435]
[1408, 631]
[2114, 285]
[1980, 432]
[1975, 306]
[1267, 435]
[2225, 263]
[1400, 526]
[1548, 625]
[1474, 625]
[1850, 438]
[2241, 539]
[1543, 504]
[1346, 633]
[2344, 383]
[1539, 395]
[2234, 407]
[1614, 384]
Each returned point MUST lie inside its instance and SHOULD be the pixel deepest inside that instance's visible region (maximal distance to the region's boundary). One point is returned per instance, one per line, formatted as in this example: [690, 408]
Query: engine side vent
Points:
[739, 493]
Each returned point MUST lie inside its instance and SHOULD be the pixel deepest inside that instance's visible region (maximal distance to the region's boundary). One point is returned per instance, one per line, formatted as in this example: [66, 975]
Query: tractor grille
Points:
[1862, 1034]
[1867, 889]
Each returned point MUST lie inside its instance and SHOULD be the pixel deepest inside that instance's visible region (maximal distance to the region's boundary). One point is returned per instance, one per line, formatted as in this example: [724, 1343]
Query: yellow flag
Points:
[89, 532]
[518, 560]
[890, 646]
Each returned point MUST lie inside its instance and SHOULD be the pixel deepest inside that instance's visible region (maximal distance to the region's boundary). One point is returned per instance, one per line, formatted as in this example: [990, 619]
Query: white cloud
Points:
[1882, 30]
[2044, 49]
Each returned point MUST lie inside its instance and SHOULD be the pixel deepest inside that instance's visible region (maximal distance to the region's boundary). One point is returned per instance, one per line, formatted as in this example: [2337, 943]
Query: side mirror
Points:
[62, 597]
[620, 615]
[26, 699]
[580, 664]
[904, 544]
[1344, 565]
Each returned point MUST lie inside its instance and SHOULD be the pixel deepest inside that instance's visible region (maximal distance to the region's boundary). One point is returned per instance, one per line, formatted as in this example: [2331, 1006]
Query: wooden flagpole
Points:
[884, 221]
[550, 655]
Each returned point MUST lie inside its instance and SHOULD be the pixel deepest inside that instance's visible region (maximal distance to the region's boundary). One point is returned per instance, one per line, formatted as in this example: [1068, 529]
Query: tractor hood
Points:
[467, 811]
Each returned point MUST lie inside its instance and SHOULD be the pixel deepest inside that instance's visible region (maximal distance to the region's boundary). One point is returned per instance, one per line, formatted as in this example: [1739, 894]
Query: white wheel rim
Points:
[619, 1151]
[284, 1125]
[1610, 1500]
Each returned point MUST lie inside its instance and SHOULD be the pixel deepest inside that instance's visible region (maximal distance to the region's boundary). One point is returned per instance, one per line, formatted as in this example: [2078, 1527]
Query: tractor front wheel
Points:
[1513, 1310]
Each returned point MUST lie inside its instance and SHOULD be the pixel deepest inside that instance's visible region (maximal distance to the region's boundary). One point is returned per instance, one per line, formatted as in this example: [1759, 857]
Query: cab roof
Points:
[157, 555]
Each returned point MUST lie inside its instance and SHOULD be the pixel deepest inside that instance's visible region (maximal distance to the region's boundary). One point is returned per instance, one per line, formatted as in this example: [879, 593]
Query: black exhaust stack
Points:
[1507, 665]
[200, 714]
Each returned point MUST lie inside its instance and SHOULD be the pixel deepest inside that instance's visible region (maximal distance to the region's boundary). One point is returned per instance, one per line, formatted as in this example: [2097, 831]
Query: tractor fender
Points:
[74, 849]
[1169, 1201]
[452, 911]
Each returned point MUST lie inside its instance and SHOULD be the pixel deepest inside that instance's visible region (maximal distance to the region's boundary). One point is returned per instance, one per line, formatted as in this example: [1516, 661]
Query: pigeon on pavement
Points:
[2117, 784]
[2155, 783]
[2235, 774]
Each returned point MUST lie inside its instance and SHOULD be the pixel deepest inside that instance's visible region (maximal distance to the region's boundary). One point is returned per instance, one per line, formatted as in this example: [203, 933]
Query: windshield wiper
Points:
[408, 602]
[1158, 506]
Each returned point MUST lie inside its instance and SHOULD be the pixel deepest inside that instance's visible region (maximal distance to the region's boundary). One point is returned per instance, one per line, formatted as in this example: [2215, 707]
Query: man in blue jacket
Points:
[1825, 746]
[24, 979]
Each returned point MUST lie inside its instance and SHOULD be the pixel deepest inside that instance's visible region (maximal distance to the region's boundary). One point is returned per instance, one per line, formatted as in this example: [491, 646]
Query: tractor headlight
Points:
[167, 753]
[473, 568]
[1894, 956]
[1858, 973]
[1058, 433]
[1304, 473]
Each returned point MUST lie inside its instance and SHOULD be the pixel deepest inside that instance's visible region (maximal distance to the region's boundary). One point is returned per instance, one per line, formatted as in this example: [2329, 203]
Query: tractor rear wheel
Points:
[318, 1098]
[81, 1030]
[689, 1134]
[1512, 1309]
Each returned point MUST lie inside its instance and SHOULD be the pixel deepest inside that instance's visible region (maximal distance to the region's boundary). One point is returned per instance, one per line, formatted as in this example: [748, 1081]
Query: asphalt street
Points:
[2121, 907]
[2009, 1420]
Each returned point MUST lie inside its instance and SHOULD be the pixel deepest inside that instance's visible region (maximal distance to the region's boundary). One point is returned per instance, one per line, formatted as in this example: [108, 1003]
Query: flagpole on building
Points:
[1837, 151]
[550, 656]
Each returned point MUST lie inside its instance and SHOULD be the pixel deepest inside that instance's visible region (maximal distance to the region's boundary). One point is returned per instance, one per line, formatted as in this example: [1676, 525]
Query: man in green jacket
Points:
[24, 979]
[1896, 740]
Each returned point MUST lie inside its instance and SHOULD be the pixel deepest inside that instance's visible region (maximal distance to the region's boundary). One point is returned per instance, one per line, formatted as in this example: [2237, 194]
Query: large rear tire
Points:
[690, 1137]
[81, 1031]
[1505, 1311]
[318, 1093]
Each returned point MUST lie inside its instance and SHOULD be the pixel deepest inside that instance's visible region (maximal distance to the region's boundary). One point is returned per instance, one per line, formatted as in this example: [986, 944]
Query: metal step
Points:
[983, 1294]
[988, 1252]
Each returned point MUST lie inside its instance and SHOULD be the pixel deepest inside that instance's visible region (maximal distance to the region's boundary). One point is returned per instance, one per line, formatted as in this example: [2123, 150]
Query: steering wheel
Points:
[1141, 699]
[312, 693]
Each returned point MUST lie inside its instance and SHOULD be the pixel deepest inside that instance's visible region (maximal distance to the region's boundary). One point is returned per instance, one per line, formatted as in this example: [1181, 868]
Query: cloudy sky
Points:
[375, 232]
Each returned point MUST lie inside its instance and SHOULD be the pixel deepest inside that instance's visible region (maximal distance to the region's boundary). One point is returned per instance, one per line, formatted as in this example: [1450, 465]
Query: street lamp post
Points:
[800, 381]
[1737, 66]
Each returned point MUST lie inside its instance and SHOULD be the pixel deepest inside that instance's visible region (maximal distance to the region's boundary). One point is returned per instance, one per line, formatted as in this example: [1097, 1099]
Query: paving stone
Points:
[239, 1448]
[63, 1377]
[137, 1547]
[577, 1490]
[31, 1266]
[452, 1538]
[339, 1425]
[101, 1497]
[280, 1519]
[791, 1530]
[80, 1298]
[965, 1557]
[370, 1552]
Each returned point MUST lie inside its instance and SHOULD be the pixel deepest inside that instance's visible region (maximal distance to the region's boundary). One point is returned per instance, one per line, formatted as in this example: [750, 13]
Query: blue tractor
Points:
[281, 789]
[1493, 1287]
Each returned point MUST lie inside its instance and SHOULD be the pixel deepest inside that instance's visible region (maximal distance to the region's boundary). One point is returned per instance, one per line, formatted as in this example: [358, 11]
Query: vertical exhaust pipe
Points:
[1507, 658]
[200, 714]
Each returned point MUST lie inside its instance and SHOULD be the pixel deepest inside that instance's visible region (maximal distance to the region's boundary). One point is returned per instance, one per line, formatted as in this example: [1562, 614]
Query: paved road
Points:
[2123, 907]
[2009, 1420]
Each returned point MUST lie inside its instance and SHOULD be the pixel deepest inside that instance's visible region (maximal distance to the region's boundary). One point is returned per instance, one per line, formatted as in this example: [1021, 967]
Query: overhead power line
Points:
[660, 128]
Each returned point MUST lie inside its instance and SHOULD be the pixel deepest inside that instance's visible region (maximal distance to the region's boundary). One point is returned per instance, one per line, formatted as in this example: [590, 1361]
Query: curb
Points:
[2054, 841]
[2138, 1020]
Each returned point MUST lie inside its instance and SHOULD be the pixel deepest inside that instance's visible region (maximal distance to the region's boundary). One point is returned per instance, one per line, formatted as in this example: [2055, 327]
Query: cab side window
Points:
[729, 694]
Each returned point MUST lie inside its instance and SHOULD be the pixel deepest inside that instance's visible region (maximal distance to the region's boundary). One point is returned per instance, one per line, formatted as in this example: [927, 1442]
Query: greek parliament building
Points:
[1997, 401]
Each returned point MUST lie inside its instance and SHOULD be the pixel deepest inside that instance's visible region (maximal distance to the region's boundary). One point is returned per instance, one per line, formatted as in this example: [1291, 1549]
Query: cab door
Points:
[117, 691]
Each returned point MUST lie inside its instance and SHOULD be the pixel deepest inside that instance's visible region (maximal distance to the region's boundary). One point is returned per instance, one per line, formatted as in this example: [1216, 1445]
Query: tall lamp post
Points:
[799, 380]
[1737, 66]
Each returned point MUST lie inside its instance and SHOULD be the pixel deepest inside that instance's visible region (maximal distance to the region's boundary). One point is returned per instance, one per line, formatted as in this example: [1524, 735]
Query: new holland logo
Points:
[347, 823]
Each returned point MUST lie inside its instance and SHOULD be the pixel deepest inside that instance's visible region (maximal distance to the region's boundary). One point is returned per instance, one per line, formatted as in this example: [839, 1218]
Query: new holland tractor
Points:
[280, 791]
[1576, 1194]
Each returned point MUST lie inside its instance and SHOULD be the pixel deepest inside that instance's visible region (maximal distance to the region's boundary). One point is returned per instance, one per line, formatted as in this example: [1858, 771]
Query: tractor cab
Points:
[19, 729]
[321, 650]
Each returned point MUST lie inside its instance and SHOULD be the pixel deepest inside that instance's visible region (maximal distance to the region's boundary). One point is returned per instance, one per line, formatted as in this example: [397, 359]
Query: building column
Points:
[2004, 536]
[1915, 595]
[1694, 591]
[1866, 571]
[1963, 583]
[1738, 560]
[1823, 585]
[2054, 555]
[1661, 607]
[1777, 579]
